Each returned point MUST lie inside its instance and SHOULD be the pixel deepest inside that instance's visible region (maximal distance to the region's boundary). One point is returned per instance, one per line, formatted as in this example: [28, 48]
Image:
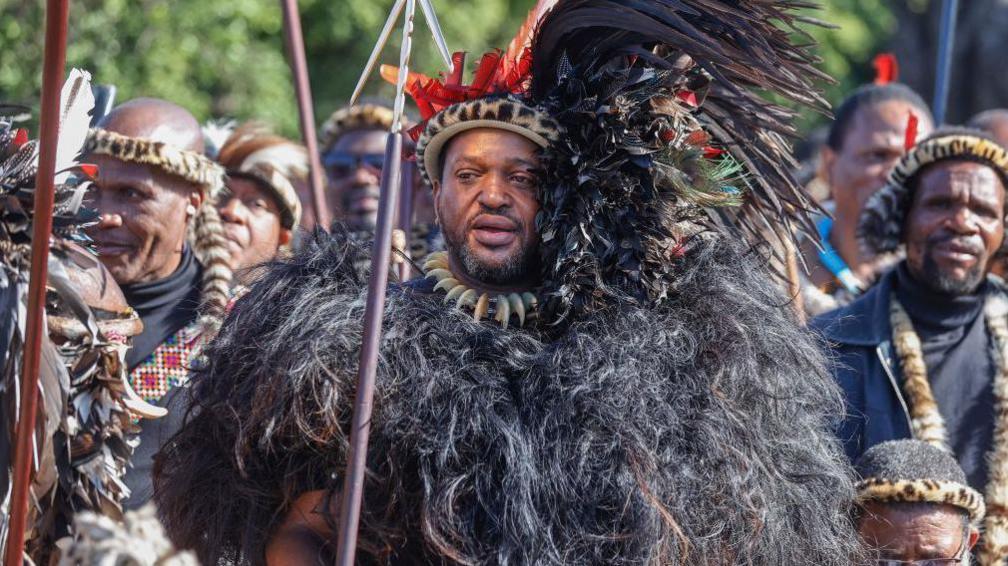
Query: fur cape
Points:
[694, 433]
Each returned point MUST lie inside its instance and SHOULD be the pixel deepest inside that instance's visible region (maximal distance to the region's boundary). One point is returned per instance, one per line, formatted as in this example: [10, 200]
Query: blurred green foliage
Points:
[225, 57]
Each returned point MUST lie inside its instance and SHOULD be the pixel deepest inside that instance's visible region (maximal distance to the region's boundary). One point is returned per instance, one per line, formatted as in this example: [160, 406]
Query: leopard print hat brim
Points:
[502, 113]
[923, 491]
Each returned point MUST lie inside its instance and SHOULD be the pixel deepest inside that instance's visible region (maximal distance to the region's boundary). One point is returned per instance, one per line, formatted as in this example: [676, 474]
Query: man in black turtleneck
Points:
[152, 185]
[945, 204]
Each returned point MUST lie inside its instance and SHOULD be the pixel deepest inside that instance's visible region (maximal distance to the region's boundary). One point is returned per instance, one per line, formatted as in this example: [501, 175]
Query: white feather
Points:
[76, 103]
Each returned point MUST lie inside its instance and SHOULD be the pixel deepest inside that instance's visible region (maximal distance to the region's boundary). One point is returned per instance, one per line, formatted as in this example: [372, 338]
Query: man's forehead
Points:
[490, 143]
[885, 123]
[957, 176]
[158, 121]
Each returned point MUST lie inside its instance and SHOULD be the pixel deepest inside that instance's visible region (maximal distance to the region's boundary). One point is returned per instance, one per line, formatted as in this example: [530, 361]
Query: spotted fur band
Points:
[188, 165]
[880, 226]
[923, 491]
[502, 113]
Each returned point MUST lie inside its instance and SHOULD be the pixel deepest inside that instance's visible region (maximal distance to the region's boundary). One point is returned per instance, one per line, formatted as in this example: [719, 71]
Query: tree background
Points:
[225, 58]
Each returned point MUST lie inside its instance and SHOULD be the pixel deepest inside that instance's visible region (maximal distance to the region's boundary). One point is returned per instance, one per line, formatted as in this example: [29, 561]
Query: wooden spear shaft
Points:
[306, 110]
[57, 13]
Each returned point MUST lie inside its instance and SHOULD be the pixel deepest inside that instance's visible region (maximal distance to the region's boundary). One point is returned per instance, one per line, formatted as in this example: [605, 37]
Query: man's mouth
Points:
[494, 231]
[112, 247]
[362, 201]
[958, 251]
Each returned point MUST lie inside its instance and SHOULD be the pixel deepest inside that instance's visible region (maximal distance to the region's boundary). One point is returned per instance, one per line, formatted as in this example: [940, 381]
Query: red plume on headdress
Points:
[496, 72]
[886, 68]
[910, 137]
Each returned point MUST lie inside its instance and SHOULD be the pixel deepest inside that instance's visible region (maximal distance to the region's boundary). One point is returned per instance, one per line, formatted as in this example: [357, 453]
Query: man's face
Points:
[916, 532]
[354, 166]
[872, 145]
[955, 225]
[143, 220]
[251, 217]
[487, 201]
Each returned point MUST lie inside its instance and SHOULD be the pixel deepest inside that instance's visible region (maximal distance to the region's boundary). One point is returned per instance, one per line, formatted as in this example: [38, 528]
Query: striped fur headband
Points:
[923, 491]
[206, 232]
[880, 227]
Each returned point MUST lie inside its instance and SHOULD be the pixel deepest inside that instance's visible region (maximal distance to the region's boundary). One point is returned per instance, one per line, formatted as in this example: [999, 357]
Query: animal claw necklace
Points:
[501, 307]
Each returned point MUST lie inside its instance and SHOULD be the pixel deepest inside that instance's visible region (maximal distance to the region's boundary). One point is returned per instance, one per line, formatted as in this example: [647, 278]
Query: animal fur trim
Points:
[502, 306]
[880, 226]
[188, 165]
[927, 423]
[994, 546]
[929, 426]
[923, 491]
[356, 117]
[211, 248]
[503, 113]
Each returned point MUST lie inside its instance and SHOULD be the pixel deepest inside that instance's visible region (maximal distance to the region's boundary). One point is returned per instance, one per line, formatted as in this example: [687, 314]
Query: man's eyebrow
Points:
[522, 161]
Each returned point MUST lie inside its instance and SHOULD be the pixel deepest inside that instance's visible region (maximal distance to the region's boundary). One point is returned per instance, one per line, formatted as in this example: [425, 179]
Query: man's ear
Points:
[974, 536]
[827, 157]
[285, 237]
[196, 199]
[436, 191]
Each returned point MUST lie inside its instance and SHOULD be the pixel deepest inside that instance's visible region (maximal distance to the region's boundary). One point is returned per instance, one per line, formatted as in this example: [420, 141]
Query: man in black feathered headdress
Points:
[597, 371]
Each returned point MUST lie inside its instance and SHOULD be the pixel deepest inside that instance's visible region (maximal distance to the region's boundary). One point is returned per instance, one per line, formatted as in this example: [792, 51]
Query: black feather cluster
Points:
[665, 115]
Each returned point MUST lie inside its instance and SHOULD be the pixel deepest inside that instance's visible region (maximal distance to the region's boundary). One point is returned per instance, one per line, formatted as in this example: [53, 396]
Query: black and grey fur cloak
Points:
[693, 433]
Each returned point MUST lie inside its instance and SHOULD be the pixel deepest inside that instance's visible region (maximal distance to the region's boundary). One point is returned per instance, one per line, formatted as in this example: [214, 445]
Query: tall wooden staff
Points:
[946, 41]
[57, 12]
[374, 310]
[306, 111]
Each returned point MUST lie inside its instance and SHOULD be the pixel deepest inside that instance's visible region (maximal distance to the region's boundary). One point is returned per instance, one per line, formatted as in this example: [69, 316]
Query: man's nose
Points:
[233, 211]
[109, 220]
[964, 221]
[364, 175]
[493, 193]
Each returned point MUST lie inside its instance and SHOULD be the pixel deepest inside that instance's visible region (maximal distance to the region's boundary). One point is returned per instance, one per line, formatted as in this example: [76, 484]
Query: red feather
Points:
[89, 169]
[886, 68]
[712, 152]
[515, 53]
[20, 137]
[688, 97]
[910, 138]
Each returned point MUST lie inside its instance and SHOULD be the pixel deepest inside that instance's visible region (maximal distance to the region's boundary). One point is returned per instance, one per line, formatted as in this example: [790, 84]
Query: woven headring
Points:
[206, 232]
[880, 227]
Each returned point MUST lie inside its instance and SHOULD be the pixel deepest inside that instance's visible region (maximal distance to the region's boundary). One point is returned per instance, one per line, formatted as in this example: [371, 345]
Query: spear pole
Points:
[374, 310]
[946, 42]
[306, 111]
[54, 62]
[405, 216]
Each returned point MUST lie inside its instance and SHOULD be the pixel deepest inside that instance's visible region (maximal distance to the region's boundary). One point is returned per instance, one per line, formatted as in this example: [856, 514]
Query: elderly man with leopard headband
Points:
[923, 353]
[160, 236]
[598, 369]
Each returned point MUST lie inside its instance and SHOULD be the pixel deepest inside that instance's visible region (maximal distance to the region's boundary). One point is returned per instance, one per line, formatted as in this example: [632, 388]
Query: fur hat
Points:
[916, 472]
[880, 227]
[206, 233]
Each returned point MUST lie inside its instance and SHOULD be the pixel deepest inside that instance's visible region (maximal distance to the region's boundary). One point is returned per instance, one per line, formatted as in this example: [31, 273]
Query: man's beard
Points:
[517, 267]
[943, 282]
